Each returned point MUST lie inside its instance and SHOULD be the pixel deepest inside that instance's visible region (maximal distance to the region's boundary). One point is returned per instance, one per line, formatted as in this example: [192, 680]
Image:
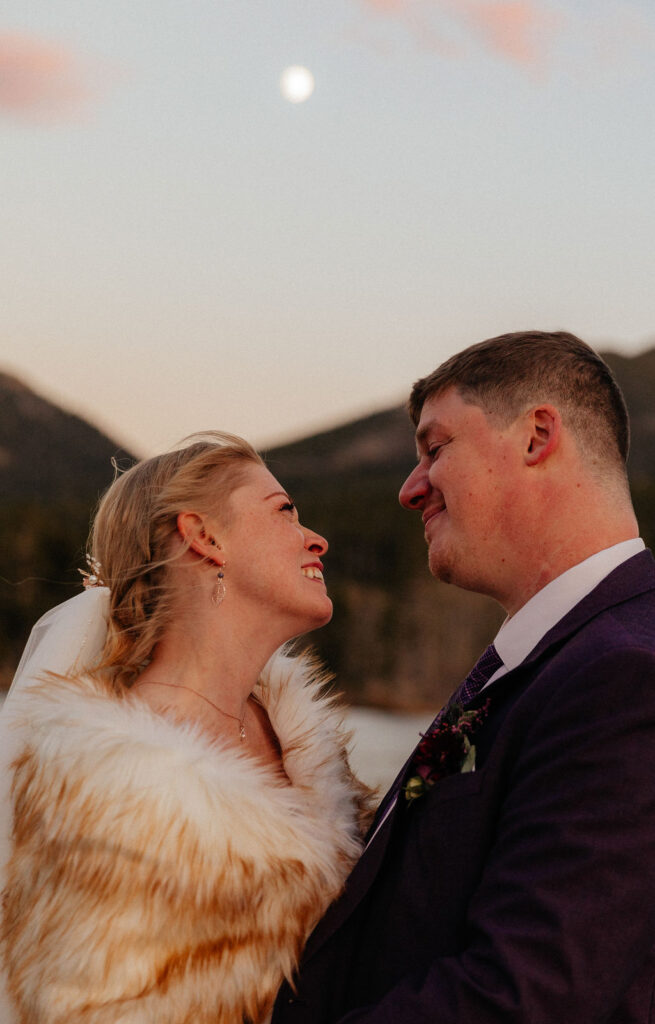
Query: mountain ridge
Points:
[398, 638]
[48, 452]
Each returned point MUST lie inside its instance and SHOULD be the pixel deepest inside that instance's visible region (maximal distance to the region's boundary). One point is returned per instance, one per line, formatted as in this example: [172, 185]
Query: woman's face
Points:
[271, 560]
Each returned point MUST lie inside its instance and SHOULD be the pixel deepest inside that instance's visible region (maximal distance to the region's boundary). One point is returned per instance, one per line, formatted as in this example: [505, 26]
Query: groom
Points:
[523, 891]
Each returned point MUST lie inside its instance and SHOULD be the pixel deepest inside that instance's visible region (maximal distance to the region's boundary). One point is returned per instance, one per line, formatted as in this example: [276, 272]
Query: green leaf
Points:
[468, 765]
[415, 787]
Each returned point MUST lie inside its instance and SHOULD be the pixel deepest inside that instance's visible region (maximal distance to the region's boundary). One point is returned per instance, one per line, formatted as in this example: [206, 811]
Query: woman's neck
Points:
[220, 676]
[210, 682]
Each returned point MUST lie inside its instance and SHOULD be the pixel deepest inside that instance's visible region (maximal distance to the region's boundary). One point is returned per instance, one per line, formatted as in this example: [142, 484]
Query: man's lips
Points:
[431, 513]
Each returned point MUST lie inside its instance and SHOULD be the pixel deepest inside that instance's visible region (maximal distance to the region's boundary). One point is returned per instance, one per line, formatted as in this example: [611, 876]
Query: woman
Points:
[183, 810]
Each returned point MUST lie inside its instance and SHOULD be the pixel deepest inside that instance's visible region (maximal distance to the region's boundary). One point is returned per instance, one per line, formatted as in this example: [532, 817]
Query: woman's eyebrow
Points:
[283, 493]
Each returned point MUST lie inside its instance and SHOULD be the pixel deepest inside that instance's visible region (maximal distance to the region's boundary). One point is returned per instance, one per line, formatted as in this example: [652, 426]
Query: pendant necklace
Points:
[179, 686]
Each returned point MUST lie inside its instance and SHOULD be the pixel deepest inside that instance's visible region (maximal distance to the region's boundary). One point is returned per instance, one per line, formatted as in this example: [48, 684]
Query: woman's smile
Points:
[313, 571]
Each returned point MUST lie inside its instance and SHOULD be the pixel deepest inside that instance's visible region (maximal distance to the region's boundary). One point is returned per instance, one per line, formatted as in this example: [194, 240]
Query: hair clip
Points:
[92, 578]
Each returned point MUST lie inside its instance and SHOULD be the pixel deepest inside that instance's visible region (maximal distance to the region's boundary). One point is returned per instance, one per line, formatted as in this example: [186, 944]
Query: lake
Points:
[382, 742]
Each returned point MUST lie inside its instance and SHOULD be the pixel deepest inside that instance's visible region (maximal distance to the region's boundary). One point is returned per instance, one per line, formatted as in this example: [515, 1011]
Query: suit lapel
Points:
[634, 577]
[628, 580]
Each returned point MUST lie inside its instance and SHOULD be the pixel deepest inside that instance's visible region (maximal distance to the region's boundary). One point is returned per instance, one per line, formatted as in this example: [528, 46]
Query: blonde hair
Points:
[132, 533]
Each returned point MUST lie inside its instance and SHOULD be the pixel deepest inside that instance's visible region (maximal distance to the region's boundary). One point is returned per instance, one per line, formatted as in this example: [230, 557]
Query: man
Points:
[523, 891]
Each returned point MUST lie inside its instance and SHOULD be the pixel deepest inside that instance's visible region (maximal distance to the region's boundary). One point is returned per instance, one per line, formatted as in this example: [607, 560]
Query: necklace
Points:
[179, 686]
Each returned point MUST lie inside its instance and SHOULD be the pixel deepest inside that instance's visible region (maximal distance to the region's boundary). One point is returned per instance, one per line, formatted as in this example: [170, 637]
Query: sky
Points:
[183, 248]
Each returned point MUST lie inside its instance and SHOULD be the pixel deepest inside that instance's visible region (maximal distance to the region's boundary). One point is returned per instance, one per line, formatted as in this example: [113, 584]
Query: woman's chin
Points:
[317, 617]
[328, 613]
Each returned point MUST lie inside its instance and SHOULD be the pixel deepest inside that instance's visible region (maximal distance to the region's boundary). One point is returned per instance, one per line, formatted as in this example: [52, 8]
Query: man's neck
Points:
[522, 632]
[550, 560]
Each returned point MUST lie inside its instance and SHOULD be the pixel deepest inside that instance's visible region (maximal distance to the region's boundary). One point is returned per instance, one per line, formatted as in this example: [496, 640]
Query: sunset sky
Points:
[183, 248]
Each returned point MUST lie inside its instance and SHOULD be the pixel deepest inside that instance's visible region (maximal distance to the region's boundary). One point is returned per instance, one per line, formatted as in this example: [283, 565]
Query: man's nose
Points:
[414, 491]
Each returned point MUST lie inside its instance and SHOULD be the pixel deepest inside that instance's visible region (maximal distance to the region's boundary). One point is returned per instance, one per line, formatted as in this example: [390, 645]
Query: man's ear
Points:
[545, 428]
[192, 529]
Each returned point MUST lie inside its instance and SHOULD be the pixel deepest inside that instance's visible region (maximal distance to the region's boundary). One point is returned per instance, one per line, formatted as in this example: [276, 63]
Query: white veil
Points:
[69, 638]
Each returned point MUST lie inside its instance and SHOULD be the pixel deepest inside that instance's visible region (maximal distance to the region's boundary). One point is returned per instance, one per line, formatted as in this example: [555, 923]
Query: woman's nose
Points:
[314, 542]
[414, 491]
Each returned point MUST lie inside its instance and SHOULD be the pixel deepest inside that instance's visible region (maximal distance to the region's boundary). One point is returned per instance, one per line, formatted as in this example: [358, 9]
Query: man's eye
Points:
[435, 449]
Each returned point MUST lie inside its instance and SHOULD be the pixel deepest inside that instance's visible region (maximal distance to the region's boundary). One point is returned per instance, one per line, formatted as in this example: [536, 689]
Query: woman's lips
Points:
[312, 572]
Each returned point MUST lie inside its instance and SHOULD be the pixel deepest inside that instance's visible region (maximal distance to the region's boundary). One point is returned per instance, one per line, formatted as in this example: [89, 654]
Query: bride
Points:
[179, 810]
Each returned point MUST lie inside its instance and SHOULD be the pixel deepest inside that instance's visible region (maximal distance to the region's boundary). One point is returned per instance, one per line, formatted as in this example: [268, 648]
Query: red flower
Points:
[445, 750]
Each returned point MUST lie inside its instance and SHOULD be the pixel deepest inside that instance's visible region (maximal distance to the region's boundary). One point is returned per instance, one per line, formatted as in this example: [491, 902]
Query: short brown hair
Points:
[507, 374]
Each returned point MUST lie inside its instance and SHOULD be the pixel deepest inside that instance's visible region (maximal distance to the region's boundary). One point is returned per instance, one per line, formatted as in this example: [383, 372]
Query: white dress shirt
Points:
[521, 634]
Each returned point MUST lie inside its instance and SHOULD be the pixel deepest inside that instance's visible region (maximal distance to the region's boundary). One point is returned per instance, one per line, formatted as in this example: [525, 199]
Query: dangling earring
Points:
[219, 588]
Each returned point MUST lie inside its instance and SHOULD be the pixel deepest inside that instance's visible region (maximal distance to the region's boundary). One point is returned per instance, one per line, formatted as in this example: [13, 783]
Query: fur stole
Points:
[159, 877]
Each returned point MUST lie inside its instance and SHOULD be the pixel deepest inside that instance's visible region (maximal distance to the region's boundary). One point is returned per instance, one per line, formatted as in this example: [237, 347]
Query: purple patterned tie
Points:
[482, 671]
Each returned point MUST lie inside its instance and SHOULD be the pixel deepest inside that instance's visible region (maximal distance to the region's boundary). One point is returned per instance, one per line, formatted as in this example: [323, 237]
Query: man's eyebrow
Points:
[423, 433]
[432, 427]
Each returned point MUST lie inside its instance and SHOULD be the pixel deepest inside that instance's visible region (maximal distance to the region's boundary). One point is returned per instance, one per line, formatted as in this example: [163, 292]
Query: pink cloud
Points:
[519, 30]
[525, 32]
[418, 18]
[39, 78]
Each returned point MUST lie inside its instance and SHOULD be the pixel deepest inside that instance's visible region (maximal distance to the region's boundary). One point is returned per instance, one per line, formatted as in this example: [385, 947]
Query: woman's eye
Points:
[288, 507]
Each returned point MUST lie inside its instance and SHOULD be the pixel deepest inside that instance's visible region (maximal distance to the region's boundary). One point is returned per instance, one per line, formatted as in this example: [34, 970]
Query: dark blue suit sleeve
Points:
[563, 919]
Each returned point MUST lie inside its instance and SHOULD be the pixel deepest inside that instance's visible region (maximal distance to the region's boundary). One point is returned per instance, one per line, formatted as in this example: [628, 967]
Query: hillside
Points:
[53, 467]
[636, 375]
[397, 638]
[382, 442]
[46, 453]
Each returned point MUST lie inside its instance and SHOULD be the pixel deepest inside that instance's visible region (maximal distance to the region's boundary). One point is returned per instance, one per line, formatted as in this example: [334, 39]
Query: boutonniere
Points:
[445, 750]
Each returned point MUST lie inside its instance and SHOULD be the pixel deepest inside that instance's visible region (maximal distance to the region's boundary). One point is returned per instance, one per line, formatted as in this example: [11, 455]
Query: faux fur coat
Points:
[158, 877]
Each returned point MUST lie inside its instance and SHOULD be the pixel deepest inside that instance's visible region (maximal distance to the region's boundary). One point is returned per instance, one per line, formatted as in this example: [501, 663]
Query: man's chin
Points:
[440, 568]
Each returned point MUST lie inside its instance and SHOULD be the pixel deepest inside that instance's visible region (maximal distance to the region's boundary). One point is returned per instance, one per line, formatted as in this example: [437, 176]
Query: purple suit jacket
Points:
[524, 892]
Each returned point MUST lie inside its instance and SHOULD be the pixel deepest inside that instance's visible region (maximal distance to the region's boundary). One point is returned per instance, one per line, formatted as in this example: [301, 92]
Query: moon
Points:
[296, 84]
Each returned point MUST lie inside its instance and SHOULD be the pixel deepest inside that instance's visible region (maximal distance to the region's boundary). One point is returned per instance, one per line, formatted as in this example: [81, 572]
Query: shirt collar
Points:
[521, 634]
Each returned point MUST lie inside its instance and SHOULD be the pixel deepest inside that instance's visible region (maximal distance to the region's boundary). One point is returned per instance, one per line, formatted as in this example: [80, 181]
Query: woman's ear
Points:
[545, 427]
[193, 531]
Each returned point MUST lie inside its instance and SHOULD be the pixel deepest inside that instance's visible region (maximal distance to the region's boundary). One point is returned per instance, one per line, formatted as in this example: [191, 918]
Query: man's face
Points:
[465, 486]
